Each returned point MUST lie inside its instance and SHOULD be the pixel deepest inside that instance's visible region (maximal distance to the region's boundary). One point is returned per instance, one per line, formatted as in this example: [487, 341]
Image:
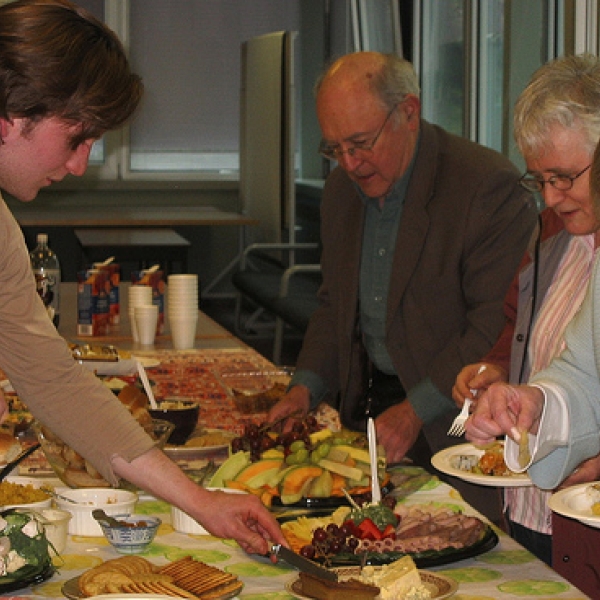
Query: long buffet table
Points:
[506, 571]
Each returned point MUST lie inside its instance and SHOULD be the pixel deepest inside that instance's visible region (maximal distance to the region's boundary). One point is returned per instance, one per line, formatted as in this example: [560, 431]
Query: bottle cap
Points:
[42, 238]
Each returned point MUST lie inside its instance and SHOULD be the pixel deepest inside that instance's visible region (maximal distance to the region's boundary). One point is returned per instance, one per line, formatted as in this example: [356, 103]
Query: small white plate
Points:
[443, 461]
[195, 452]
[147, 361]
[439, 585]
[574, 502]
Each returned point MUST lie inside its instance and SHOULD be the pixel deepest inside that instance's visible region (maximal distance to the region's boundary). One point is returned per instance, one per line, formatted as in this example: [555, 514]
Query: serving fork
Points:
[458, 425]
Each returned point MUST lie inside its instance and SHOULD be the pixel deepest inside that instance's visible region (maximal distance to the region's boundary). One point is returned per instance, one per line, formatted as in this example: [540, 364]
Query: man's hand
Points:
[241, 517]
[295, 403]
[588, 470]
[471, 379]
[397, 430]
[504, 410]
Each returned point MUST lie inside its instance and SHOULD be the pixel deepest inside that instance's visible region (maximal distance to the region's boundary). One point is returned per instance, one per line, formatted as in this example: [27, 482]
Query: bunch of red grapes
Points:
[256, 439]
[330, 541]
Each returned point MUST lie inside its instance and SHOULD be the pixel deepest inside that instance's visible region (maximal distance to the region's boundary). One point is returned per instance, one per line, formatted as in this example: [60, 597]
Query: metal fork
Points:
[458, 425]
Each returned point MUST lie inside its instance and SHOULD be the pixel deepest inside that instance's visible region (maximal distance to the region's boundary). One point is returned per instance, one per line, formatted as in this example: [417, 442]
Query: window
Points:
[188, 54]
[460, 48]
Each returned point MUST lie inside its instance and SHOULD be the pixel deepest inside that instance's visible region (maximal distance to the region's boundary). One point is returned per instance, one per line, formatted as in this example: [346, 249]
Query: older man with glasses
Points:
[422, 232]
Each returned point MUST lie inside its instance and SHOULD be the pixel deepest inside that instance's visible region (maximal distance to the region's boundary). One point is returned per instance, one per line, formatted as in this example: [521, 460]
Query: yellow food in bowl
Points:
[15, 493]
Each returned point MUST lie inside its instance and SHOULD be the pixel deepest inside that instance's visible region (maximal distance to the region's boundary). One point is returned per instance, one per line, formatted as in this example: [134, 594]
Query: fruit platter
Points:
[304, 467]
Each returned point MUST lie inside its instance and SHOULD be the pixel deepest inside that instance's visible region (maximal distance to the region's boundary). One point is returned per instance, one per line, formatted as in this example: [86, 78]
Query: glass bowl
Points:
[76, 472]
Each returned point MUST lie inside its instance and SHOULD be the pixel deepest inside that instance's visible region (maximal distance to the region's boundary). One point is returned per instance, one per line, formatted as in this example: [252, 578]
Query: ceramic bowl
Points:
[182, 413]
[112, 501]
[134, 536]
[27, 481]
[183, 523]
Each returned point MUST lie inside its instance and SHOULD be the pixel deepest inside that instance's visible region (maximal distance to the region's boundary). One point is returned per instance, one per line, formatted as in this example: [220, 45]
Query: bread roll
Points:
[10, 448]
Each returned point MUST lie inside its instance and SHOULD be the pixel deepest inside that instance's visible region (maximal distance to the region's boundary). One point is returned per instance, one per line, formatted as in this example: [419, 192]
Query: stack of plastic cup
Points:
[182, 309]
[146, 319]
[139, 295]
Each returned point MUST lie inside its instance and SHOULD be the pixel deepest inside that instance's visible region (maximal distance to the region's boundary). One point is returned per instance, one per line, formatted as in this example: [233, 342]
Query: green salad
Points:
[23, 545]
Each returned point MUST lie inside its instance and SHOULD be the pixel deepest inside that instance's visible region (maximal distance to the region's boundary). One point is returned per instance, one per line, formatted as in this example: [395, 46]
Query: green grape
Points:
[302, 456]
[315, 457]
[323, 450]
[297, 445]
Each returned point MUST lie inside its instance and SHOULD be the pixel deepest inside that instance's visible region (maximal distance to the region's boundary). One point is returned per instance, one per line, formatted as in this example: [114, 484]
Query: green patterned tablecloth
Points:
[508, 571]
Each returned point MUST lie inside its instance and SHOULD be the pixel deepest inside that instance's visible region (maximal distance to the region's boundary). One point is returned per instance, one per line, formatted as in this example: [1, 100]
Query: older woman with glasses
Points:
[422, 232]
[557, 128]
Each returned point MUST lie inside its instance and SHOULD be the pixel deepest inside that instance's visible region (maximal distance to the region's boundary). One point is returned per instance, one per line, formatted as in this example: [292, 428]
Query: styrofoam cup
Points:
[183, 330]
[138, 295]
[146, 319]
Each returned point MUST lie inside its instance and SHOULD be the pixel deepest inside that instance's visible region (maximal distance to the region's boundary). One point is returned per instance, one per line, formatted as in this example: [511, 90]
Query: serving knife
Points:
[301, 563]
[372, 437]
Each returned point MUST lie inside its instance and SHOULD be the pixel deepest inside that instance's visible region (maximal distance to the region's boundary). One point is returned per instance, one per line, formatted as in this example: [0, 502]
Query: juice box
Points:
[93, 291]
[113, 271]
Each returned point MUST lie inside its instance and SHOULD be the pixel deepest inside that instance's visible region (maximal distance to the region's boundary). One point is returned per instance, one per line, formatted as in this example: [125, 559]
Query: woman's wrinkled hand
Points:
[504, 410]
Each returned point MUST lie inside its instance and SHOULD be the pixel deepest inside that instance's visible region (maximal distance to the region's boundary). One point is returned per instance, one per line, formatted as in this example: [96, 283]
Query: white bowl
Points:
[112, 501]
[183, 523]
[36, 483]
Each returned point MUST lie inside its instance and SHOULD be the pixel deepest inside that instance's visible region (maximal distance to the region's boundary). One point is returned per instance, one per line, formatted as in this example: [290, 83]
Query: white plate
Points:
[438, 585]
[147, 361]
[574, 502]
[443, 462]
[195, 452]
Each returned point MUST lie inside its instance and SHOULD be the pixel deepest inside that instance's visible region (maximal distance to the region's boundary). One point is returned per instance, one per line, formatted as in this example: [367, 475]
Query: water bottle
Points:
[46, 270]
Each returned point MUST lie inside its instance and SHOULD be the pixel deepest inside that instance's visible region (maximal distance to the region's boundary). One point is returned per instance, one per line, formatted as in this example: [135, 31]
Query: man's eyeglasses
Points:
[558, 181]
[358, 146]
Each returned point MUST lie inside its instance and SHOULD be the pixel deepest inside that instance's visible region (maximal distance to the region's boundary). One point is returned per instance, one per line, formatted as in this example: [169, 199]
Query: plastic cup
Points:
[56, 526]
[183, 330]
[139, 295]
[146, 318]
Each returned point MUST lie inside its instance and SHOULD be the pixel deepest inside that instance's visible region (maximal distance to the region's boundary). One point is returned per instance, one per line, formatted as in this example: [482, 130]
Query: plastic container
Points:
[56, 526]
[46, 270]
[256, 391]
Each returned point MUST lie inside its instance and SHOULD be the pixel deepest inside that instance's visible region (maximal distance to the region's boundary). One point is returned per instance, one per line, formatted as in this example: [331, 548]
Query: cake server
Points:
[372, 437]
[301, 563]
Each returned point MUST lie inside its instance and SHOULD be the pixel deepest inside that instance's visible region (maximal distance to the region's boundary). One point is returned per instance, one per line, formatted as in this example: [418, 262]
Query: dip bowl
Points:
[182, 413]
[135, 534]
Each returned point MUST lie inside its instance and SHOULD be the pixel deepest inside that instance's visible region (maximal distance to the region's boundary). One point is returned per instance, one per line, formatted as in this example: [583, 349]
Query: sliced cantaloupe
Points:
[260, 466]
[295, 479]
